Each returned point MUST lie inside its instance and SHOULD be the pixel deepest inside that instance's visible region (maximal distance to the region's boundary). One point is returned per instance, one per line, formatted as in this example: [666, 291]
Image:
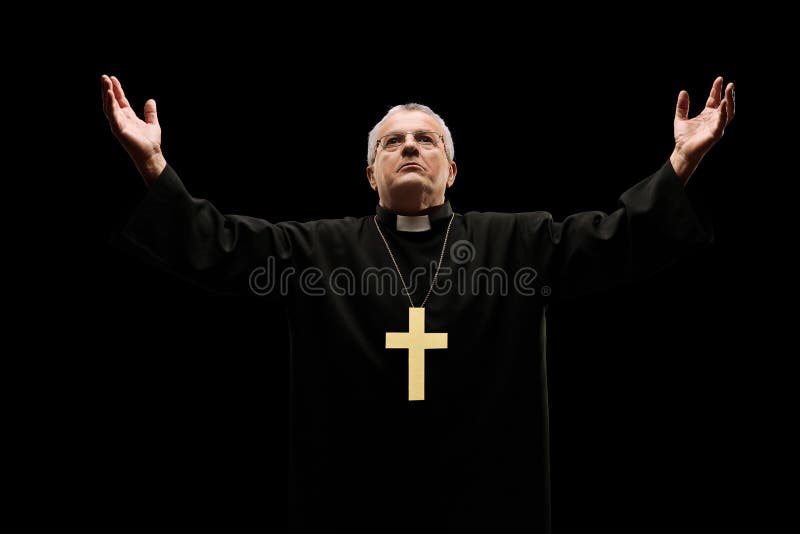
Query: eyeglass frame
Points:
[441, 137]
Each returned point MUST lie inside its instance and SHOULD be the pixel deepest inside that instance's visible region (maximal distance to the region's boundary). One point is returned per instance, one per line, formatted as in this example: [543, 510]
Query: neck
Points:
[421, 207]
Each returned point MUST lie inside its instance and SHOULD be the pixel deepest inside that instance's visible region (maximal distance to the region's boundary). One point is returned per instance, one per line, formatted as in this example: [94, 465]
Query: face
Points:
[412, 176]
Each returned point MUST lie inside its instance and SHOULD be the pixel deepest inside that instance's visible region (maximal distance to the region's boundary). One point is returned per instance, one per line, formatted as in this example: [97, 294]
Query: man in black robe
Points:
[419, 388]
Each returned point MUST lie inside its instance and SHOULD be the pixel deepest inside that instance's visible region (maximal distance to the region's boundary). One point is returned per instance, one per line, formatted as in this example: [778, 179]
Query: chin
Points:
[411, 179]
[410, 183]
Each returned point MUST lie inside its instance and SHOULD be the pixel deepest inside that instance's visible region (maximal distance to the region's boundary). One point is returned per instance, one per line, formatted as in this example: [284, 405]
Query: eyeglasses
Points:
[394, 140]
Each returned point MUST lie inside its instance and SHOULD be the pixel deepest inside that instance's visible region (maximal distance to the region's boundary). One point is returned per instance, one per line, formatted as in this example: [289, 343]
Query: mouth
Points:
[410, 166]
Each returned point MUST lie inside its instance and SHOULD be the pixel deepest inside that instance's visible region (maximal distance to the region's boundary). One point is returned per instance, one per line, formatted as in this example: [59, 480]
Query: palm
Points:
[695, 136]
[140, 138]
[134, 131]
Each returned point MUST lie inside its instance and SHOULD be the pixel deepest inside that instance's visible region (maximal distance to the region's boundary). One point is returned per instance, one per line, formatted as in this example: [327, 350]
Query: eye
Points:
[392, 140]
[425, 138]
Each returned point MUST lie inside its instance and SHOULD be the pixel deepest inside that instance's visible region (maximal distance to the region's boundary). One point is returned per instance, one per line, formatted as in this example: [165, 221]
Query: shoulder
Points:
[343, 225]
[497, 220]
[522, 227]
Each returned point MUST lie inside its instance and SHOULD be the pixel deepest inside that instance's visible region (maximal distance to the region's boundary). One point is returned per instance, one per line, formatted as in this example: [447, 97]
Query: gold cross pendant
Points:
[416, 340]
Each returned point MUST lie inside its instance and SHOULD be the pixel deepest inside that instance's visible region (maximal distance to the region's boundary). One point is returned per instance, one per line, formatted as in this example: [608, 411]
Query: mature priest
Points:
[419, 393]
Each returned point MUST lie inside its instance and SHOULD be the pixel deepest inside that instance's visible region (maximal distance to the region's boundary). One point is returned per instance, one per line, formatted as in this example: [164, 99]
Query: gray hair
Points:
[372, 142]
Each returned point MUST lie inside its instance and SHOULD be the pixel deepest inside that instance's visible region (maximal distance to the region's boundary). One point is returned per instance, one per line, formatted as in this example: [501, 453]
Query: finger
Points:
[715, 95]
[105, 86]
[682, 108]
[722, 118]
[110, 103]
[114, 111]
[730, 97]
[120, 94]
[106, 101]
[150, 114]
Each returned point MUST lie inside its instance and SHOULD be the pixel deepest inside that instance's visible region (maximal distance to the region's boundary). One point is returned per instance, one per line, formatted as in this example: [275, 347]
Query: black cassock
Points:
[473, 454]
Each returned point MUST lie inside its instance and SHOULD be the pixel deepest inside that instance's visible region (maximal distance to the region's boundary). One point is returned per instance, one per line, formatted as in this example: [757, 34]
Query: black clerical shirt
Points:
[474, 453]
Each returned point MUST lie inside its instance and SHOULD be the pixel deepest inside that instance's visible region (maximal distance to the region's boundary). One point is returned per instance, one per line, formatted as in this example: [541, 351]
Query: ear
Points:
[371, 177]
[453, 171]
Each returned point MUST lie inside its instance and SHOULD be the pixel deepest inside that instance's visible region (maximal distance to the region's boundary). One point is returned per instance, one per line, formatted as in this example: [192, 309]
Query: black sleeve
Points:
[190, 238]
[654, 225]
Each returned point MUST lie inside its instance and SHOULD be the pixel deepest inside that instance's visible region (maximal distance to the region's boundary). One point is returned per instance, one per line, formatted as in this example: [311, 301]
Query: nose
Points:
[410, 147]
[410, 136]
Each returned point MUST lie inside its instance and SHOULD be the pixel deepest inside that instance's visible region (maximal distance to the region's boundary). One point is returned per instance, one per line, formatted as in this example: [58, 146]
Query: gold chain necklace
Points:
[435, 276]
[416, 340]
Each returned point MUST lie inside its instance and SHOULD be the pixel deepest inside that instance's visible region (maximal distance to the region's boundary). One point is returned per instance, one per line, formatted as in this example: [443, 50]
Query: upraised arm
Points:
[140, 138]
[188, 236]
[655, 222]
[694, 137]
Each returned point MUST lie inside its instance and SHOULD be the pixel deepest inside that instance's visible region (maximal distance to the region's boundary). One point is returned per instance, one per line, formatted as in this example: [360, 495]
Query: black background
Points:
[182, 414]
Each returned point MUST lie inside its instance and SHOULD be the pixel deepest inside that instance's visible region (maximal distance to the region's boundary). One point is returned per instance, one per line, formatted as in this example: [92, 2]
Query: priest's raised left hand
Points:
[694, 137]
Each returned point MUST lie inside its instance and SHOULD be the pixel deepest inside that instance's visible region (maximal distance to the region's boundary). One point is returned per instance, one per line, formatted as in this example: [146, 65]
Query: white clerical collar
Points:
[438, 216]
[413, 223]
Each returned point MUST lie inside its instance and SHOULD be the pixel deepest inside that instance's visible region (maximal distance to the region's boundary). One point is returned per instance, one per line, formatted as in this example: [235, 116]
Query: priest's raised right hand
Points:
[140, 138]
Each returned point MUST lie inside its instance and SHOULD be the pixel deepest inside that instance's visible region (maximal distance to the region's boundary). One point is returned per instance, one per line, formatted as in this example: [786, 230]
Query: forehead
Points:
[404, 121]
